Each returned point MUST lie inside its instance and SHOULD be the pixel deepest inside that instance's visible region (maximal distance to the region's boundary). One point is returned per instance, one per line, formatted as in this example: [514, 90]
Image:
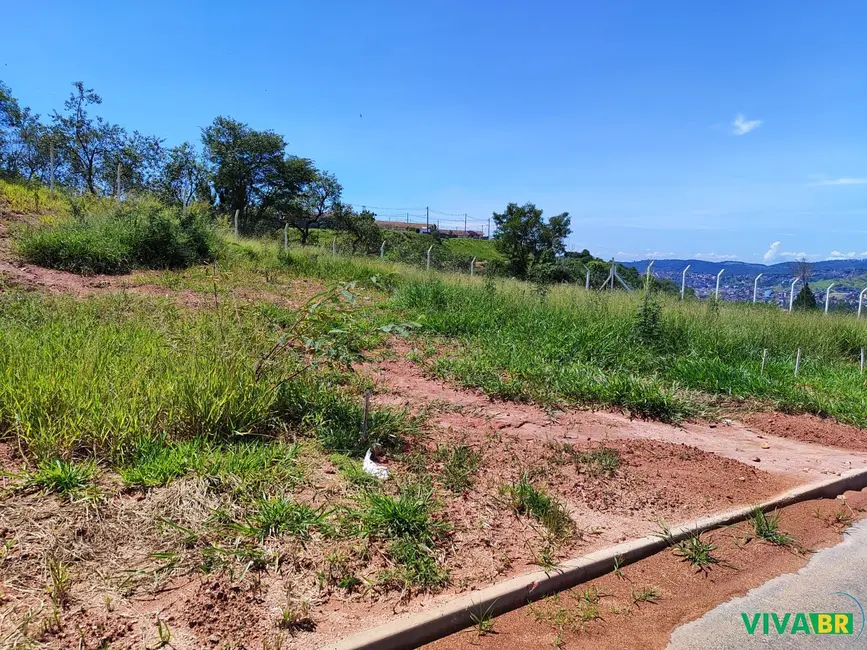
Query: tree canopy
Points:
[526, 239]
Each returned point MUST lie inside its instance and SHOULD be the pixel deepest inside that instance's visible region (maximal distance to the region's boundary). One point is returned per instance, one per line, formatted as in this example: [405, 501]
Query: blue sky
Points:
[670, 129]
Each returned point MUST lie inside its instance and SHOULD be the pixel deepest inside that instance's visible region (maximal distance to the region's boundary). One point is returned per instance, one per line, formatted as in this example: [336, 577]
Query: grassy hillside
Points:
[481, 249]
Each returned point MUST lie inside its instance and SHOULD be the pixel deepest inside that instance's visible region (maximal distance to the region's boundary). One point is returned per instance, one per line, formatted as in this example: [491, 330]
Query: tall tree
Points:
[315, 200]
[805, 300]
[24, 140]
[361, 227]
[184, 176]
[248, 167]
[525, 238]
[89, 145]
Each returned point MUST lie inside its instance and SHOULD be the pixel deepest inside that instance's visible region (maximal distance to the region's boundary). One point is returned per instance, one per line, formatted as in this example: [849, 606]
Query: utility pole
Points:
[427, 218]
[407, 217]
[465, 224]
[489, 227]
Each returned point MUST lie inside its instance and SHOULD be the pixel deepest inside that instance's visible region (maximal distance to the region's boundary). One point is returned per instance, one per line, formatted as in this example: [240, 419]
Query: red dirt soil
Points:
[684, 594]
[809, 428]
[402, 382]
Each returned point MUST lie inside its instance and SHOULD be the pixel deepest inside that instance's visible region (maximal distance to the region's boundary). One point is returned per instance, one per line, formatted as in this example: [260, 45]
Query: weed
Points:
[351, 470]
[697, 552]
[296, 616]
[164, 635]
[527, 499]
[647, 594]
[277, 515]
[69, 480]
[618, 566]
[483, 621]
[59, 582]
[459, 463]
[767, 528]
[601, 461]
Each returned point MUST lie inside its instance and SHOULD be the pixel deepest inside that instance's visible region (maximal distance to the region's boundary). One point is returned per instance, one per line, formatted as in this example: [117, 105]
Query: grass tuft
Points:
[527, 499]
[767, 528]
[697, 552]
[67, 479]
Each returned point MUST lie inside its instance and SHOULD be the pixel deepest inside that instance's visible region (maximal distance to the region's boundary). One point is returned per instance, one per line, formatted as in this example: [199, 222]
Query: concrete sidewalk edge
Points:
[417, 629]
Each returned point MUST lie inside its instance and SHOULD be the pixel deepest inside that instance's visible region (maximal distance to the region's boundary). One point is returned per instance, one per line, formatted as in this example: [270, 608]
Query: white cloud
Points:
[837, 255]
[802, 255]
[742, 126]
[772, 251]
[845, 180]
[715, 257]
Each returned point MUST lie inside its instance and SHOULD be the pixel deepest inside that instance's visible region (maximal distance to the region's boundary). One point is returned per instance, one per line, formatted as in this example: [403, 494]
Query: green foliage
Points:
[526, 239]
[580, 347]
[278, 515]
[408, 523]
[805, 300]
[459, 464]
[527, 499]
[599, 462]
[63, 477]
[697, 552]
[767, 528]
[132, 234]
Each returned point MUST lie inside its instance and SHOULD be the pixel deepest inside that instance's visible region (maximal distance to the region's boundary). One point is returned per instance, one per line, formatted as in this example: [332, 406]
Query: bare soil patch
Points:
[608, 614]
[402, 382]
[809, 428]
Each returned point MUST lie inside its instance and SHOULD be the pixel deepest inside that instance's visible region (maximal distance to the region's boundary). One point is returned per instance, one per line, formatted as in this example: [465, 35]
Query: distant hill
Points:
[744, 268]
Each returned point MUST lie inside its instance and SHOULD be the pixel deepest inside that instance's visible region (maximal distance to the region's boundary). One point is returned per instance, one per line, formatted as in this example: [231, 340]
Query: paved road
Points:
[841, 568]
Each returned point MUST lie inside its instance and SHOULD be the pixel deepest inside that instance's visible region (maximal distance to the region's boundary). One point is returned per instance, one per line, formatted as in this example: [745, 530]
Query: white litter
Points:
[373, 468]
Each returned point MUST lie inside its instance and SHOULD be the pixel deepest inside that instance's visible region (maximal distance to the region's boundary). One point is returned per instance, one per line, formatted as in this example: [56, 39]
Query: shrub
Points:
[139, 233]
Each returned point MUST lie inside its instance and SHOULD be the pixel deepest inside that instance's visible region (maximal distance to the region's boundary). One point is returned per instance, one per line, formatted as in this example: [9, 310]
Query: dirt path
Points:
[402, 382]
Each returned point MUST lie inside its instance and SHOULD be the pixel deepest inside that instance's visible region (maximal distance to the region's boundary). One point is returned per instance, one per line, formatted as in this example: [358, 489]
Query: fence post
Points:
[334, 247]
[286, 237]
[861, 301]
[236, 224]
[718, 276]
[798, 362]
[472, 266]
[364, 419]
[647, 281]
[51, 167]
[764, 360]
[792, 294]
[828, 297]
[756, 287]
[683, 282]
[382, 251]
[428, 257]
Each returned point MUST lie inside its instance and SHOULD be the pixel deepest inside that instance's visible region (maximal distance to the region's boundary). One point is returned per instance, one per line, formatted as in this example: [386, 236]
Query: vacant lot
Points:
[181, 450]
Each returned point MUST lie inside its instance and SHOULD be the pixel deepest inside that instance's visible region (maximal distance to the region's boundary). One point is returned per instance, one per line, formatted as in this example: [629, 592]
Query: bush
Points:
[134, 234]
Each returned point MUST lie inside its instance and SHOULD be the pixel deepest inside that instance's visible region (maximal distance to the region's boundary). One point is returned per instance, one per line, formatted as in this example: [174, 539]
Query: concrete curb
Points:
[417, 629]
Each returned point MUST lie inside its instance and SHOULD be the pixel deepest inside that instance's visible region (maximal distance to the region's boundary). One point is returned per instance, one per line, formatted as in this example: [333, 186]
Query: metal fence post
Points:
[286, 237]
[683, 282]
[472, 266]
[756, 287]
[798, 362]
[764, 361]
[828, 297]
[428, 257]
[861, 301]
[236, 223]
[792, 293]
[718, 276]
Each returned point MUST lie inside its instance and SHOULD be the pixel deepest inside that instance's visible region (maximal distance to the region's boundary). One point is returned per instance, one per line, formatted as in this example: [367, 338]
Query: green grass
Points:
[459, 464]
[646, 594]
[527, 499]
[408, 523]
[278, 515]
[697, 552]
[133, 234]
[481, 249]
[115, 377]
[603, 461]
[573, 346]
[767, 527]
[65, 478]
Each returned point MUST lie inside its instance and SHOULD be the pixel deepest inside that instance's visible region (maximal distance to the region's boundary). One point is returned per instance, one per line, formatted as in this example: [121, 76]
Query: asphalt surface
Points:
[841, 568]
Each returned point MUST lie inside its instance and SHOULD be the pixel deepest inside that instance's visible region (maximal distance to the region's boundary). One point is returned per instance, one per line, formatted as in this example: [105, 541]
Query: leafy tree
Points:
[24, 140]
[525, 238]
[805, 300]
[364, 234]
[184, 177]
[141, 159]
[802, 269]
[88, 145]
[308, 202]
[249, 170]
